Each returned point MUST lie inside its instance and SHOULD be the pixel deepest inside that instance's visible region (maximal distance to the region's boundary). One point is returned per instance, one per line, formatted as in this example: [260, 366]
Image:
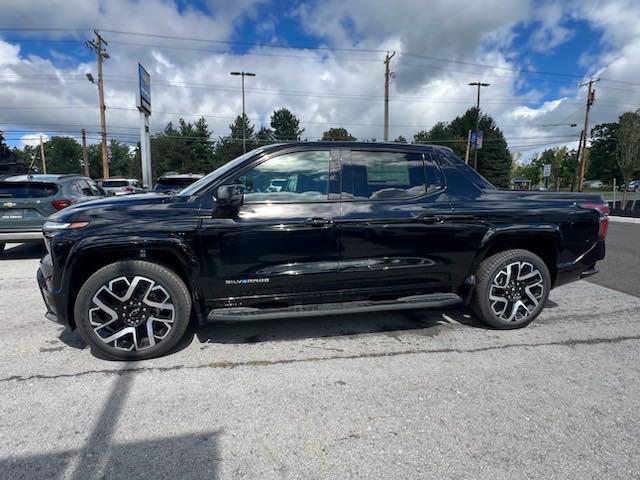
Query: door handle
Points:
[318, 221]
[431, 219]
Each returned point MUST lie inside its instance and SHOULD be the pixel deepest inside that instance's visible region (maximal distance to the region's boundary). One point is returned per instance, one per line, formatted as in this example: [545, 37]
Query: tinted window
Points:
[292, 177]
[471, 175]
[95, 190]
[375, 175]
[27, 189]
[114, 183]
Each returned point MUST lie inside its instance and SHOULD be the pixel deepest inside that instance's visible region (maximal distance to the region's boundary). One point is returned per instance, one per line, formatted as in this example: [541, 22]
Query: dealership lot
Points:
[428, 394]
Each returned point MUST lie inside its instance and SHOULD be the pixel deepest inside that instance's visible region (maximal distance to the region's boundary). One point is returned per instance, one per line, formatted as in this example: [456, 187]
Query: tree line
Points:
[614, 153]
[187, 147]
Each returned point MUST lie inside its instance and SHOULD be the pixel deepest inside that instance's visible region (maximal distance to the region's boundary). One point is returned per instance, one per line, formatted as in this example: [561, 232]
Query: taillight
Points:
[129, 189]
[603, 211]
[61, 203]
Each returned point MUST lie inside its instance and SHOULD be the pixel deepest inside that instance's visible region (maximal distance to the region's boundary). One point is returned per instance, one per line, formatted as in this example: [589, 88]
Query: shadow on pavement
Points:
[23, 251]
[429, 321]
[182, 457]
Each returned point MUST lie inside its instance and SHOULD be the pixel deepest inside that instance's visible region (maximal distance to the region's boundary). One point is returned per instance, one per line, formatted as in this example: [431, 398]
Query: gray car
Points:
[27, 200]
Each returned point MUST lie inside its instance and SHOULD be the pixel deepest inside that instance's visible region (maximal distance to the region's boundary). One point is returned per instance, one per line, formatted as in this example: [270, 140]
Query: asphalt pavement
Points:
[428, 394]
[620, 269]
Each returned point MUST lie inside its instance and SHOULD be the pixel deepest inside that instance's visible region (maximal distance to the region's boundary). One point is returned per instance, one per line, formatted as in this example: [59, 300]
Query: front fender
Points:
[174, 250]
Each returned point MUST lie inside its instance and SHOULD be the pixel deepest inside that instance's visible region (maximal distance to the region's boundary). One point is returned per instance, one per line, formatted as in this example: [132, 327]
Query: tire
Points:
[120, 305]
[512, 288]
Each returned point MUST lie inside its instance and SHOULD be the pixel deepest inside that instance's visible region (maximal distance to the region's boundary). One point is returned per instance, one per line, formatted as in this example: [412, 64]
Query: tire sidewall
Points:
[161, 275]
[483, 290]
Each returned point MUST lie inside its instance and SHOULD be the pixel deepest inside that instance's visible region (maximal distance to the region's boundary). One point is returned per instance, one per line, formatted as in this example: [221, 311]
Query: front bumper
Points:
[44, 276]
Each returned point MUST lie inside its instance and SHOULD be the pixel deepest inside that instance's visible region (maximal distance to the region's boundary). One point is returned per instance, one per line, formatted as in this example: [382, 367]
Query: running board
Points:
[435, 300]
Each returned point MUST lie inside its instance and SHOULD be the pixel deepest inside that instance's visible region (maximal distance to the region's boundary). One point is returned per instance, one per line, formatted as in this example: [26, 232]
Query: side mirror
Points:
[230, 195]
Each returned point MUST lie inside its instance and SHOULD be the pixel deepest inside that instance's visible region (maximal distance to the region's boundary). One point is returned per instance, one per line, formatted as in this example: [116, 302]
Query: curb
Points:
[624, 219]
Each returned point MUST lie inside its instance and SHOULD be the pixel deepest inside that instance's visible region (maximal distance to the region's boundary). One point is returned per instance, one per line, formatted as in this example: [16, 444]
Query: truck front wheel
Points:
[133, 310]
[512, 288]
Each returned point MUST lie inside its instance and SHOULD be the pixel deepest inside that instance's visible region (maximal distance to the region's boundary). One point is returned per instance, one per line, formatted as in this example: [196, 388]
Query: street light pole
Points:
[244, 120]
[475, 150]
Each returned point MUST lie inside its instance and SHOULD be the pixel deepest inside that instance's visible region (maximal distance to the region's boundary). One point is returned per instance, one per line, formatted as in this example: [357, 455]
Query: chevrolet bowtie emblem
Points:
[9, 204]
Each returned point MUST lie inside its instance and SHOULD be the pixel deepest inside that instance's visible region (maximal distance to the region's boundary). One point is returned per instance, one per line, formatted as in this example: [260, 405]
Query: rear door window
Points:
[27, 189]
[380, 175]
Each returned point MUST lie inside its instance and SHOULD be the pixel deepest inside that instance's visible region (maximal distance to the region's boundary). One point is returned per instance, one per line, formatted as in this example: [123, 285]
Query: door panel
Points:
[393, 232]
[268, 246]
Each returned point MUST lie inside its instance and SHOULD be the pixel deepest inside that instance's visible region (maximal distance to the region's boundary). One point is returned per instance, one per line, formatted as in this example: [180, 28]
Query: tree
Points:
[337, 134]
[401, 139]
[494, 159]
[603, 153]
[63, 155]
[264, 136]
[230, 147]
[629, 145]
[10, 162]
[285, 125]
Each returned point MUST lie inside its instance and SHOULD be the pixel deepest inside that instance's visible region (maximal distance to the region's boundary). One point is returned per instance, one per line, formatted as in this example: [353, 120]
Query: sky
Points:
[323, 60]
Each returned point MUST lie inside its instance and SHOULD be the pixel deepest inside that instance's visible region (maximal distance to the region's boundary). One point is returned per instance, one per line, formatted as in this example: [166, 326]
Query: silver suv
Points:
[121, 186]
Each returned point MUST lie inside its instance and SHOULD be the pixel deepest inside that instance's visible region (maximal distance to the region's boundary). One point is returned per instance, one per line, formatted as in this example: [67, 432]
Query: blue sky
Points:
[440, 50]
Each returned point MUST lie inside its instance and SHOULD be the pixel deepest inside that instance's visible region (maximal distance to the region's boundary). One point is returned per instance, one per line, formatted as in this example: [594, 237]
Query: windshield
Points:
[218, 172]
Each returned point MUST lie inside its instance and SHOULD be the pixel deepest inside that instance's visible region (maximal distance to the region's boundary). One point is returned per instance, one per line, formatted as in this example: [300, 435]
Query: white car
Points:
[594, 184]
[121, 186]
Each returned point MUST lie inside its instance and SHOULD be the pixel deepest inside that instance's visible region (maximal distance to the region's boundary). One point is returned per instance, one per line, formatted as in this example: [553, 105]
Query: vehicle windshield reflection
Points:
[207, 179]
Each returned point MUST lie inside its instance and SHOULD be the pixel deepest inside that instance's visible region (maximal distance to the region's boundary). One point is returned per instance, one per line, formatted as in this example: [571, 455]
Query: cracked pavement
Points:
[424, 394]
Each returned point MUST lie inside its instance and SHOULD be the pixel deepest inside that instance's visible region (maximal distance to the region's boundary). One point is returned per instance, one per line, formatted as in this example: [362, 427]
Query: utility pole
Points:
[387, 75]
[98, 45]
[44, 159]
[84, 154]
[582, 146]
[475, 150]
[244, 120]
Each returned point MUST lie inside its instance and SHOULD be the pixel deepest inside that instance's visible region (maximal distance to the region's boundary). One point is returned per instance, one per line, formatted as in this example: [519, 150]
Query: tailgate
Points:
[25, 205]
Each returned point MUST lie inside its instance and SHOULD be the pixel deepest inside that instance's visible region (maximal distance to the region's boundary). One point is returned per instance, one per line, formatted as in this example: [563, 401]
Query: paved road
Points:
[620, 269]
[392, 396]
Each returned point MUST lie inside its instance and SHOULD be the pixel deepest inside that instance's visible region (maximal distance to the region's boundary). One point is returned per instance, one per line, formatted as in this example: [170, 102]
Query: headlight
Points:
[50, 226]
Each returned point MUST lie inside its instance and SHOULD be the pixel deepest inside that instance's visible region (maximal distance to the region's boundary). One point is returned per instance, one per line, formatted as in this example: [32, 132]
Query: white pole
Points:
[144, 147]
[149, 170]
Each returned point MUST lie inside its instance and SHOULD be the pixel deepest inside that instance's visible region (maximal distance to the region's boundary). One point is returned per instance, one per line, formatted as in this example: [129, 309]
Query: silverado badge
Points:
[9, 204]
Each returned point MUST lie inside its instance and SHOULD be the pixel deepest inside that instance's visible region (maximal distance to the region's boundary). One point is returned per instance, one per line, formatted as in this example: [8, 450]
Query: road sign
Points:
[144, 90]
[547, 170]
[476, 140]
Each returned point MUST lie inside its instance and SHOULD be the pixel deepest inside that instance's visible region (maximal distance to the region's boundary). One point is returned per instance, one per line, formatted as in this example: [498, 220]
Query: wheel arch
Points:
[89, 255]
[545, 241]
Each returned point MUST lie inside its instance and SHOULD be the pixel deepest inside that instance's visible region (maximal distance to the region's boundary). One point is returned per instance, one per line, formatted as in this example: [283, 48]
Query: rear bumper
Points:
[582, 267]
[44, 275]
[29, 236]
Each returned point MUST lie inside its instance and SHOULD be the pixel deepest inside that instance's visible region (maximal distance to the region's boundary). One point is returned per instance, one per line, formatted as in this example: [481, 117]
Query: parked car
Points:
[174, 182]
[27, 200]
[633, 186]
[365, 227]
[121, 186]
[593, 184]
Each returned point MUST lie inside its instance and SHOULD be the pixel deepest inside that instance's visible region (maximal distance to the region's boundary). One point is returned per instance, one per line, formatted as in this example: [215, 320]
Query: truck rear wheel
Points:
[512, 288]
[133, 310]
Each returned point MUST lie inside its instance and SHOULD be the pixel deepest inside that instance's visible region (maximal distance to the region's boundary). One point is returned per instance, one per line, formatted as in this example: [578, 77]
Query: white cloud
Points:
[33, 139]
[349, 84]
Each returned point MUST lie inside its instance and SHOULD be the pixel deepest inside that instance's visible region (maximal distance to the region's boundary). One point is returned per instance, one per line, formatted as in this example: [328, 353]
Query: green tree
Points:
[63, 155]
[286, 126]
[338, 134]
[400, 139]
[494, 158]
[264, 136]
[629, 145]
[603, 153]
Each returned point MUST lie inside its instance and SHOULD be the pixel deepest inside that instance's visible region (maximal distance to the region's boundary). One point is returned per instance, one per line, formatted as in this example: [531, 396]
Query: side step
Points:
[434, 300]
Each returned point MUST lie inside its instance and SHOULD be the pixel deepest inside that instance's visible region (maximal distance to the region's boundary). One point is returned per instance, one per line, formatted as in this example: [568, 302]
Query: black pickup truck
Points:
[313, 229]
